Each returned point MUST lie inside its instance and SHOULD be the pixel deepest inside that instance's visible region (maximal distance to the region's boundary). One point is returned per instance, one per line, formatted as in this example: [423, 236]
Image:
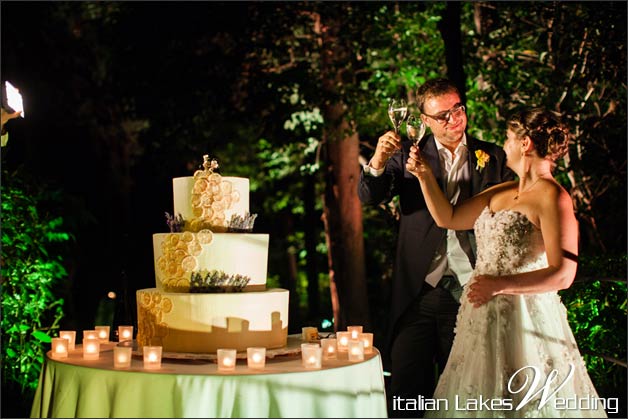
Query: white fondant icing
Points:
[233, 253]
[202, 323]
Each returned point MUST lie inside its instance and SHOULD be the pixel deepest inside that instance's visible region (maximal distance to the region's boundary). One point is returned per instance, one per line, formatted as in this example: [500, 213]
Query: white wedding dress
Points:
[525, 333]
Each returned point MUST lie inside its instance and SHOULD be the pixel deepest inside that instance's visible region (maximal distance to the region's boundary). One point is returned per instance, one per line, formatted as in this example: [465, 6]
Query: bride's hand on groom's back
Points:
[482, 289]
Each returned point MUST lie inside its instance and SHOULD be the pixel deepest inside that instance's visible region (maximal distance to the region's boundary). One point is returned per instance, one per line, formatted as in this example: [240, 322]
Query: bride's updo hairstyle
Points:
[549, 136]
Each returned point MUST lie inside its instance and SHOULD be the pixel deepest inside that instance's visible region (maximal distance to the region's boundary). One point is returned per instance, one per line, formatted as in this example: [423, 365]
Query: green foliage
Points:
[596, 311]
[31, 268]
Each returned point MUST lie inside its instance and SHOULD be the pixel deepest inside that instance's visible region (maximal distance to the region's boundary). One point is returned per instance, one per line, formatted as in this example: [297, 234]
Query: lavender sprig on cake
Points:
[175, 223]
[241, 224]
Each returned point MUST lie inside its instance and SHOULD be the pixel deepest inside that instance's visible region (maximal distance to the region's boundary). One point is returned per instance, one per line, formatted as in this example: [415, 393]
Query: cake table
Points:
[74, 387]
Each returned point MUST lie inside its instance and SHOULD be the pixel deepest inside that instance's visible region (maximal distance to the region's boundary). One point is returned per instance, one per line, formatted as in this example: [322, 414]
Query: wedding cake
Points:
[210, 273]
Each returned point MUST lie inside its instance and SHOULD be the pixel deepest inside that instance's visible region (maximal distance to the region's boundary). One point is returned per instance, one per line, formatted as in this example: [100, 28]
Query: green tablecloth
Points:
[74, 387]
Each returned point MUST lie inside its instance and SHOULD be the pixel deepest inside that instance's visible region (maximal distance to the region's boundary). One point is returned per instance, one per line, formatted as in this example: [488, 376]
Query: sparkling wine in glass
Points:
[397, 111]
[415, 129]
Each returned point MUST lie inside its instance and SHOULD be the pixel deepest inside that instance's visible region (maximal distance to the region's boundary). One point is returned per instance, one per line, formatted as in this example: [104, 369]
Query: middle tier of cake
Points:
[203, 323]
[222, 257]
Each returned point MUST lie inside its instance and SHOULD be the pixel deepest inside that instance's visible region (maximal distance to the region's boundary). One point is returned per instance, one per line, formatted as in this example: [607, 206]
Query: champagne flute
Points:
[397, 111]
[415, 129]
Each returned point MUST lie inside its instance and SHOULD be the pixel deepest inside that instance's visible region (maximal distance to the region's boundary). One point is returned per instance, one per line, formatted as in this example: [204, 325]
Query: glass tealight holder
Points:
[311, 355]
[367, 340]
[354, 331]
[330, 348]
[70, 335]
[226, 359]
[122, 356]
[343, 341]
[91, 348]
[125, 333]
[356, 350]
[152, 357]
[256, 358]
[59, 348]
[90, 334]
[103, 333]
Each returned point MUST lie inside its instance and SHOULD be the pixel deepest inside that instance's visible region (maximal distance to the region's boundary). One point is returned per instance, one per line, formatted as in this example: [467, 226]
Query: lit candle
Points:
[152, 357]
[91, 348]
[256, 358]
[309, 334]
[103, 333]
[226, 359]
[355, 331]
[367, 339]
[70, 335]
[125, 333]
[59, 348]
[330, 348]
[122, 356]
[356, 350]
[90, 334]
[343, 341]
[311, 355]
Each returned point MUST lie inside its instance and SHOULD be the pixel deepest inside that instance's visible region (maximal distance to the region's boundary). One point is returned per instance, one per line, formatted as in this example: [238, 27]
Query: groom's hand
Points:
[387, 145]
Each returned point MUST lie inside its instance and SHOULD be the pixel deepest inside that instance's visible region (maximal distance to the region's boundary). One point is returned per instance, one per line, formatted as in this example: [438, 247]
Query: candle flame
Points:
[227, 362]
[152, 357]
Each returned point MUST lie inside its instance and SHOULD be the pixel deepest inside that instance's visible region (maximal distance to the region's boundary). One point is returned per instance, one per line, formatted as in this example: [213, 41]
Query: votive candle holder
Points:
[311, 355]
[354, 331]
[91, 348]
[122, 356]
[226, 359]
[356, 350]
[59, 348]
[103, 333]
[90, 334]
[125, 333]
[330, 348]
[152, 357]
[70, 335]
[343, 341]
[367, 340]
[256, 358]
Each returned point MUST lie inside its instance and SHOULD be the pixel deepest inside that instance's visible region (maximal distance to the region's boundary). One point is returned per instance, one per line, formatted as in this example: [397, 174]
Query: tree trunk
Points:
[343, 224]
[309, 230]
[342, 209]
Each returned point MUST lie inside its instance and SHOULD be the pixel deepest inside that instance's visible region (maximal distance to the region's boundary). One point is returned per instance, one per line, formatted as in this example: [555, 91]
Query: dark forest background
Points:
[121, 97]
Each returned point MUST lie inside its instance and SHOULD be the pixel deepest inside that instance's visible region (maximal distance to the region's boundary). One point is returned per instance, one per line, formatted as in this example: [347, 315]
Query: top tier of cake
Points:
[210, 201]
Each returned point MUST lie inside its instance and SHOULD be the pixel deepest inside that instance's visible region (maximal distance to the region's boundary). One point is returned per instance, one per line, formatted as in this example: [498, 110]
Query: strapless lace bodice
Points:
[507, 243]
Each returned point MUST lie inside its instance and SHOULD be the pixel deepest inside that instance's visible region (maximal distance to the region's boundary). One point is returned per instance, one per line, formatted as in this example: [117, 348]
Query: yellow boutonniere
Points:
[483, 158]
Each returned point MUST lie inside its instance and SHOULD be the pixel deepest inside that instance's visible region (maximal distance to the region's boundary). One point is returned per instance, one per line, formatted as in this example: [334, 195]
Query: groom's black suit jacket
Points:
[419, 236]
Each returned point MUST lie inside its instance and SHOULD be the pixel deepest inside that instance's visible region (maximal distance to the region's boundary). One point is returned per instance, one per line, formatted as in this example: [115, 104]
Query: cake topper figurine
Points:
[208, 165]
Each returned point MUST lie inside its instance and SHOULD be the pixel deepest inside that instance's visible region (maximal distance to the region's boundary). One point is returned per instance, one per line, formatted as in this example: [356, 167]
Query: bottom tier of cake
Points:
[203, 323]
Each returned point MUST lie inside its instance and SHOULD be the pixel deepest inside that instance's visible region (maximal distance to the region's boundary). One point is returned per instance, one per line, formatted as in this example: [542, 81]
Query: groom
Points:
[431, 263]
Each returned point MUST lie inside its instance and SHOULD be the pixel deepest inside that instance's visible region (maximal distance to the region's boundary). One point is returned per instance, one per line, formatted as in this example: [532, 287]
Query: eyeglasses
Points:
[443, 117]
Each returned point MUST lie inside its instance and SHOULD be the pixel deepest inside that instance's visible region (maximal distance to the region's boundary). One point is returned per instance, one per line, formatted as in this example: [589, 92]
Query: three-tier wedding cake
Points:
[210, 273]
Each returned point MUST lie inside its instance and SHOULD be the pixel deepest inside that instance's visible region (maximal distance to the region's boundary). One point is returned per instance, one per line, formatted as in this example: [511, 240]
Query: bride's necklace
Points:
[527, 189]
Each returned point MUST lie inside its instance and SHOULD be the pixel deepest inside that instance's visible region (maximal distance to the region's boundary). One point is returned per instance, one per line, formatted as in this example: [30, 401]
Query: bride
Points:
[514, 354]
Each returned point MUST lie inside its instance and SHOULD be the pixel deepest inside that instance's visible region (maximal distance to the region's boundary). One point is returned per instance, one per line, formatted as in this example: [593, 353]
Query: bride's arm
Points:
[559, 228]
[458, 217]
